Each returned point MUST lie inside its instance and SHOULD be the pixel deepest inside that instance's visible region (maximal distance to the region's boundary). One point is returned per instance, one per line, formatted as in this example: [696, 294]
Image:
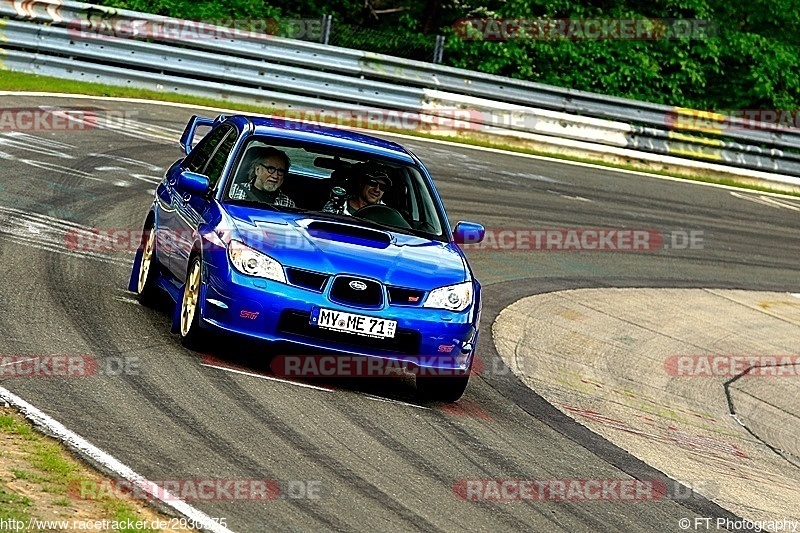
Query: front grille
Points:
[306, 279]
[401, 296]
[405, 341]
[370, 295]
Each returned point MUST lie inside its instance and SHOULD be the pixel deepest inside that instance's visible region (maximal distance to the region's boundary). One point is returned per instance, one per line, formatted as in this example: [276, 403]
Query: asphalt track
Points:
[376, 460]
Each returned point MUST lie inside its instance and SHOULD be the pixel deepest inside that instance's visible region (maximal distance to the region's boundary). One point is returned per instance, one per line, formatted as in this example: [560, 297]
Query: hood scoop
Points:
[350, 234]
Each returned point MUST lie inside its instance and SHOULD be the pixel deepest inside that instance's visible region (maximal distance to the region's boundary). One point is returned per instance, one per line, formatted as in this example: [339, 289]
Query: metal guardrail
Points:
[556, 98]
[52, 40]
[59, 38]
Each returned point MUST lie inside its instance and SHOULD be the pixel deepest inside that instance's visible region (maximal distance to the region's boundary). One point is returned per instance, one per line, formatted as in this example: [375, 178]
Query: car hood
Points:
[338, 246]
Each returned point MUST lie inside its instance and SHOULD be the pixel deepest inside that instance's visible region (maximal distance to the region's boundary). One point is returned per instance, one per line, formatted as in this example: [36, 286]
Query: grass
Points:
[48, 471]
[17, 81]
[14, 506]
[10, 424]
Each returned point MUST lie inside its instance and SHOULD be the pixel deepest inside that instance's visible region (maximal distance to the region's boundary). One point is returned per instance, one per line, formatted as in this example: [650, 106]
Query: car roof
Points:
[297, 130]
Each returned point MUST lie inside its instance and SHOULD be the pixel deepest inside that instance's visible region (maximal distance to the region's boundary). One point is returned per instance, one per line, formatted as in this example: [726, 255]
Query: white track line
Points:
[760, 199]
[89, 451]
[270, 378]
[392, 400]
[290, 382]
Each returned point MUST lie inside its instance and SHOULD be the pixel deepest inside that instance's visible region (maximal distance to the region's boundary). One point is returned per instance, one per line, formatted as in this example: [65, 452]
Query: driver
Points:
[372, 183]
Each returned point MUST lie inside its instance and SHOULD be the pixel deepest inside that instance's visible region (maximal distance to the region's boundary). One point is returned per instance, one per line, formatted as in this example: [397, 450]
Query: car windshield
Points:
[335, 183]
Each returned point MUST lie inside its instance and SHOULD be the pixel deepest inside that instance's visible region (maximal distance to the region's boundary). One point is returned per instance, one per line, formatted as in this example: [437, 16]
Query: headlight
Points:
[453, 298]
[253, 263]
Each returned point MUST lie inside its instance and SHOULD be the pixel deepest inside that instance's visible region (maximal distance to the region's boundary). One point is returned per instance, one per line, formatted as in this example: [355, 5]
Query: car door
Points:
[165, 215]
[208, 158]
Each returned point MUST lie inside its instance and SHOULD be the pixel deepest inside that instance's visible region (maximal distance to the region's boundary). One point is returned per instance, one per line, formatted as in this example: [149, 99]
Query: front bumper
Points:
[279, 313]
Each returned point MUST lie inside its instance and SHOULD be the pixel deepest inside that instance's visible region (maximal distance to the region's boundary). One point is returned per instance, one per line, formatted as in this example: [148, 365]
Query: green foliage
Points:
[198, 10]
[749, 64]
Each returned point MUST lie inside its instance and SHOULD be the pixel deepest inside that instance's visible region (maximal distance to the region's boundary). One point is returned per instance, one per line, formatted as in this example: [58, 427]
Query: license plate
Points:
[366, 326]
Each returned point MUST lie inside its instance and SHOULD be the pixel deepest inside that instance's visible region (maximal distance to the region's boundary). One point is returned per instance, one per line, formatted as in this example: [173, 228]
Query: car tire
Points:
[192, 335]
[440, 388]
[147, 284]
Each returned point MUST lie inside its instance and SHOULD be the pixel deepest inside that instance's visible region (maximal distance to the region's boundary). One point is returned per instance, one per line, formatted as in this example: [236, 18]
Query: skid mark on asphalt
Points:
[45, 147]
[39, 145]
[49, 233]
[665, 434]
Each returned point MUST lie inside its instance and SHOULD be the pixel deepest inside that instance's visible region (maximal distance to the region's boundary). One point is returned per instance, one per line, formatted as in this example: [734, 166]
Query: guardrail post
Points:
[326, 28]
[438, 51]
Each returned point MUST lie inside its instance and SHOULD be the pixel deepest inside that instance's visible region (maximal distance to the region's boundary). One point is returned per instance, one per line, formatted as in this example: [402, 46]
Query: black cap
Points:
[375, 171]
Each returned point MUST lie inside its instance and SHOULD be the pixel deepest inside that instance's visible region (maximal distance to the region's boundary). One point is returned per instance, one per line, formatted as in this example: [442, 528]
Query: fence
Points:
[323, 30]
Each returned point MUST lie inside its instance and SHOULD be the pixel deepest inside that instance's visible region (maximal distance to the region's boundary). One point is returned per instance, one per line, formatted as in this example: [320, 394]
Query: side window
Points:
[217, 163]
[202, 152]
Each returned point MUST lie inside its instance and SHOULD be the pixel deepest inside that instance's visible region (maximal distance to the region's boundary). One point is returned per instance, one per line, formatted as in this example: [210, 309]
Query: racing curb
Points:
[109, 465]
[510, 386]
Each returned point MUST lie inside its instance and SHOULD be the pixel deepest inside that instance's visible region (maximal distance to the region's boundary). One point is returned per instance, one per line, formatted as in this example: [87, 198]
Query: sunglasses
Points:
[379, 184]
[272, 170]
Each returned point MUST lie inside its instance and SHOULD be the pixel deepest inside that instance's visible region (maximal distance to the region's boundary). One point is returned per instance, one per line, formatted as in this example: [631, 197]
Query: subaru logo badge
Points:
[358, 285]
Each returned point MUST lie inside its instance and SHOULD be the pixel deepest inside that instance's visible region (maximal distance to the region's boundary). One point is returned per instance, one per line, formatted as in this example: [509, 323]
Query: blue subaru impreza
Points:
[316, 240]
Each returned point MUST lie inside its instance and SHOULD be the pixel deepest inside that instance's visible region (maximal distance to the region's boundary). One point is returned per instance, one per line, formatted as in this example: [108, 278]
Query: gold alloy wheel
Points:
[147, 259]
[190, 295]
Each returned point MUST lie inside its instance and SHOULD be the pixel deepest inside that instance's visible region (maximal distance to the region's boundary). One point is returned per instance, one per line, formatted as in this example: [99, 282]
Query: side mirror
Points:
[468, 233]
[193, 183]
